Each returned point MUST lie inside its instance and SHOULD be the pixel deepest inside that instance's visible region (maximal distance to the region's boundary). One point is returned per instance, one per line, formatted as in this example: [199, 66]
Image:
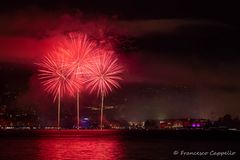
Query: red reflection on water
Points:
[80, 148]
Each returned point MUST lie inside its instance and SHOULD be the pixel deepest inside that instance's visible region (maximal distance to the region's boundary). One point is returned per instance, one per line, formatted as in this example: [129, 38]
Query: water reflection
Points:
[80, 148]
[105, 148]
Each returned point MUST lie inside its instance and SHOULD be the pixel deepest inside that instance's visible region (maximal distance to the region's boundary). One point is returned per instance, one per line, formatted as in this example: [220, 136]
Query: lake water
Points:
[107, 148]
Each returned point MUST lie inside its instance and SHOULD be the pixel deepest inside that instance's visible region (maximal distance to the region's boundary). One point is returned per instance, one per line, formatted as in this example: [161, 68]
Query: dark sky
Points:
[182, 57]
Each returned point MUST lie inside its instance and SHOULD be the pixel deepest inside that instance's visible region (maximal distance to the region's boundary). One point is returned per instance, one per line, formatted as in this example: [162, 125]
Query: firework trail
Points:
[104, 74]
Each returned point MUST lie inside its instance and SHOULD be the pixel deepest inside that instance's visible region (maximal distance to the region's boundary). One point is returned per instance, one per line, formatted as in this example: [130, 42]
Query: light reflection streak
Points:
[80, 148]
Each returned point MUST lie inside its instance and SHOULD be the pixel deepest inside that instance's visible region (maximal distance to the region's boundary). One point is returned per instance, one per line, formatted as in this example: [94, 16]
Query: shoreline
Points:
[132, 134]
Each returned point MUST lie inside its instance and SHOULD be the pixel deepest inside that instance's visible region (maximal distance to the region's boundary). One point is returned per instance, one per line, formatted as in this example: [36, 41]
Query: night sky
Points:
[182, 57]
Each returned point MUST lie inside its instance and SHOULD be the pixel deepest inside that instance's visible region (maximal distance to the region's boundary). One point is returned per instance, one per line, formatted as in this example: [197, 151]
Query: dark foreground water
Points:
[113, 147]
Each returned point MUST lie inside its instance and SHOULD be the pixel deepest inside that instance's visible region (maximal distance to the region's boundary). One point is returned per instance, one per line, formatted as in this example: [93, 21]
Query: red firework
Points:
[104, 74]
[58, 77]
[77, 61]
[78, 49]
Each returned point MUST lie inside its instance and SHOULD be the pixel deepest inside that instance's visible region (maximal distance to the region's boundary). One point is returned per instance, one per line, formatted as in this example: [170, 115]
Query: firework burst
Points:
[79, 49]
[57, 75]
